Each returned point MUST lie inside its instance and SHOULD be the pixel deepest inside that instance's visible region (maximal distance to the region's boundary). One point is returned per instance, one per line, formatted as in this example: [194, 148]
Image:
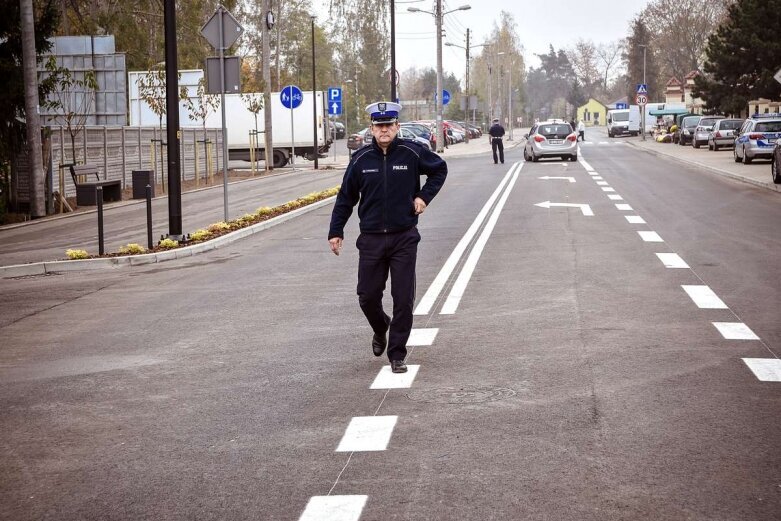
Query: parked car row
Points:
[422, 131]
[758, 137]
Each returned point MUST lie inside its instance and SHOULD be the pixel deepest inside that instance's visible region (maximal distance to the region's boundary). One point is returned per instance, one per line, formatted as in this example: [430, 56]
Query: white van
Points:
[623, 121]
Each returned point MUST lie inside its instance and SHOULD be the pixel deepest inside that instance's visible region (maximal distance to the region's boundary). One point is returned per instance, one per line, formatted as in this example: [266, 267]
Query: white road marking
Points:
[547, 177]
[607, 189]
[553, 164]
[634, 219]
[672, 260]
[623, 207]
[428, 300]
[387, 379]
[459, 287]
[602, 183]
[585, 164]
[615, 197]
[585, 208]
[650, 236]
[735, 331]
[367, 433]
[603, 143]
[422, 336]
[334, 508]
[704, 297]
[597, 178]
[594, 174]
[765, 369]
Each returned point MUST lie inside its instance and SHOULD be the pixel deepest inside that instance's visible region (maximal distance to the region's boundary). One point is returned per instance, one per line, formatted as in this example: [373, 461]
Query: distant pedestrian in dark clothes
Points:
[497, 132]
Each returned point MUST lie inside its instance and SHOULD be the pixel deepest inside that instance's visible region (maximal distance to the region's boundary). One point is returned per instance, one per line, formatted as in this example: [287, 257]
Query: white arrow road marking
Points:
[367, 433]
[334, 508]
[735, 331]
[765, 369]
[547, 177]
[704, 297]
[387, 379]
[585, 208]
[672, 260]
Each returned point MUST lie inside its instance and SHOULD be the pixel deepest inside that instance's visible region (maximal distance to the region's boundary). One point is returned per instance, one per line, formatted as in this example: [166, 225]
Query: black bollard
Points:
[99, 199]
[149, 216]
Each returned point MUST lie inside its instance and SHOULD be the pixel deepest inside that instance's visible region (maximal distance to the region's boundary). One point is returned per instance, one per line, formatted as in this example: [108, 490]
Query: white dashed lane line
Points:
[334, 508]
[608, 189]
[615, 197]
[623, 207]
[735, 331]
[602, 183]
[650, 236]
[422, 337]
[704, 297]
[672, 260]
[367, 433]
[634, 219]
[386, 379]
[765, 369]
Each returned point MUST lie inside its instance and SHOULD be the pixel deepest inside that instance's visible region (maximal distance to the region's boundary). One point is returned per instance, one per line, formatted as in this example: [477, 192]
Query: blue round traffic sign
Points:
[291, 96]
[445, 97]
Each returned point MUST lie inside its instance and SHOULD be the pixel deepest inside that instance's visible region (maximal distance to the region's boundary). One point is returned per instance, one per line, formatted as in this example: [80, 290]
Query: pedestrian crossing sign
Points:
[642, 88]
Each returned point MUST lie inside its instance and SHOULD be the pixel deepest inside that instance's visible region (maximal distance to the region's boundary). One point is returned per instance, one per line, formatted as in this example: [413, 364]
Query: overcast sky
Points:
[539, 24]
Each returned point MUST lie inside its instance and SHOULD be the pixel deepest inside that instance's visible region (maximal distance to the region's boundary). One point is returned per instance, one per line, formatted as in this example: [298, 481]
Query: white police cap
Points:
[383, 112]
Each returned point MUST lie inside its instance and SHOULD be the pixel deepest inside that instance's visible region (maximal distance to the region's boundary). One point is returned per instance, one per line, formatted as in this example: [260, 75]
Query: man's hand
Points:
[336, 244]
[420, 205]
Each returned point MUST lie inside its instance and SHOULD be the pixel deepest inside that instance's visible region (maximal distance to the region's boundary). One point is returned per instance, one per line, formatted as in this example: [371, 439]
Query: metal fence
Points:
[117, 151]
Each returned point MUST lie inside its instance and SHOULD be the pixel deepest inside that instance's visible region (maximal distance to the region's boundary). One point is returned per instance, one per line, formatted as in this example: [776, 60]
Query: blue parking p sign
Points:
[334, 94]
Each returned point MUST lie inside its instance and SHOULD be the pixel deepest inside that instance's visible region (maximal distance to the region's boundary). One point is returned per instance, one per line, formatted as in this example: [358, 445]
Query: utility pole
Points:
[393, 50]
[32, 119]
[466, 80]
[440, 133]
[268, 17]
[314, 98]
[510, 100]
[172, 122]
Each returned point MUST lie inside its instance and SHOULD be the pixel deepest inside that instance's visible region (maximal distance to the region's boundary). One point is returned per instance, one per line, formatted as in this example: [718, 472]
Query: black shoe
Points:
[379, 343]
[398, 366]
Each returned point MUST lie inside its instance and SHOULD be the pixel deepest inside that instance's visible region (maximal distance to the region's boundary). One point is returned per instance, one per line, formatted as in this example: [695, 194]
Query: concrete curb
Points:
[62, 266]
[713, 170]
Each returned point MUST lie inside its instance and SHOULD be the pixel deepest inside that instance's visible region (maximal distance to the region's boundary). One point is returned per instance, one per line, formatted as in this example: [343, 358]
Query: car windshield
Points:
[768, 126]
[621, 116]
[704, 122]
[690, 122]
[554, 130]
[730, 124]
[415, 130]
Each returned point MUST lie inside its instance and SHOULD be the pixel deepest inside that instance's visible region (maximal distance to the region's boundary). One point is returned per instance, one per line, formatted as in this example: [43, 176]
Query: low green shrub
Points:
[76, 254]
[132, 249]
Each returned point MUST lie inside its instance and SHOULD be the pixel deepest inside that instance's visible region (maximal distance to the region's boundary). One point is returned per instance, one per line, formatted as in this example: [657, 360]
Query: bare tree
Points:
[691, 21]
[583, 57]
[609, 63]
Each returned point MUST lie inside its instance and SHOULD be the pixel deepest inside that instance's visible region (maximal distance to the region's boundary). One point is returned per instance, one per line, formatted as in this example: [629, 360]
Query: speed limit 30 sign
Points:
[641, 99]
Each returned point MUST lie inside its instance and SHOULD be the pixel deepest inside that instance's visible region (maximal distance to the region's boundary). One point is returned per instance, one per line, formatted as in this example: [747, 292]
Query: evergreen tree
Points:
[633, 57]
[742, 56]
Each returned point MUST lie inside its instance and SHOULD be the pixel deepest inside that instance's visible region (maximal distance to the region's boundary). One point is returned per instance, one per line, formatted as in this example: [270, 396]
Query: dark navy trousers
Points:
[380, 254]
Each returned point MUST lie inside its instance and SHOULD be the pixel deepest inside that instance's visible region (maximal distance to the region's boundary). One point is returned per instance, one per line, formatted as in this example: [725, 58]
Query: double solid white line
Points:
[502, 192]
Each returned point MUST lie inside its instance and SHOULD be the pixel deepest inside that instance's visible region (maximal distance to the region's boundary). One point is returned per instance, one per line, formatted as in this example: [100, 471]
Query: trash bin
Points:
[141, 178]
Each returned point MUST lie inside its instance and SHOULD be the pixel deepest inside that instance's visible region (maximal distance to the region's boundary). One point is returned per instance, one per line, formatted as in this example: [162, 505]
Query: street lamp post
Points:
[642, 107]
[438, 15]
[314, 96]
[466, 76]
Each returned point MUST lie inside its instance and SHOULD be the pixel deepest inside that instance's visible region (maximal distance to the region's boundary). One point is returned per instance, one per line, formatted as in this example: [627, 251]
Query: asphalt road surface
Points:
[559, 369]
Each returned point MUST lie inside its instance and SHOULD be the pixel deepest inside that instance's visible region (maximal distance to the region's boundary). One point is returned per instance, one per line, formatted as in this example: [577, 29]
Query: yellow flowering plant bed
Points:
[217, 229]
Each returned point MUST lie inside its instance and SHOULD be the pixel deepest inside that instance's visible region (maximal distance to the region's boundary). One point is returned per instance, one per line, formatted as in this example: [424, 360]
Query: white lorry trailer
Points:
[291, 130]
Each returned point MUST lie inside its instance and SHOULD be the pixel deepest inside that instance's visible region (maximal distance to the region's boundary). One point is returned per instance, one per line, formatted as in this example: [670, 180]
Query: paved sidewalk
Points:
[719, 162]
[125, 222]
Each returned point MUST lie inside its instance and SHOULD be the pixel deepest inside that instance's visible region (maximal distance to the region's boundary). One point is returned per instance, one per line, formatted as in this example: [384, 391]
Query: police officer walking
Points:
[384, 180]
[496, 132]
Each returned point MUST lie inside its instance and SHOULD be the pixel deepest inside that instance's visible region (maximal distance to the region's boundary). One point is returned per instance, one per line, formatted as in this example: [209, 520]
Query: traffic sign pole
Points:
[224, 125]
[292, 130]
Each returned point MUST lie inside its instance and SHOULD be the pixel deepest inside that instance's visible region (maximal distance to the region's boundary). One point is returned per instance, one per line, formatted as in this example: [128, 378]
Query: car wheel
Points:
[715, 147]
[525, 155]
[695, 144]
[774, 171]
[535, 158]
[735, 155]
[746, 160]
[573, 157]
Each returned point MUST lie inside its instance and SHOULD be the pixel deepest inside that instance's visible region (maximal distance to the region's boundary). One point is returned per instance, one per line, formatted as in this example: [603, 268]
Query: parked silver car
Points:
[406, 133]
[757, 137]
[704, 127]
[723, 133]
[554, 138]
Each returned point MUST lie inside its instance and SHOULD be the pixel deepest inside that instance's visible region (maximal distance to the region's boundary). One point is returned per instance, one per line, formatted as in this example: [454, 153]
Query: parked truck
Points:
[292, 130]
